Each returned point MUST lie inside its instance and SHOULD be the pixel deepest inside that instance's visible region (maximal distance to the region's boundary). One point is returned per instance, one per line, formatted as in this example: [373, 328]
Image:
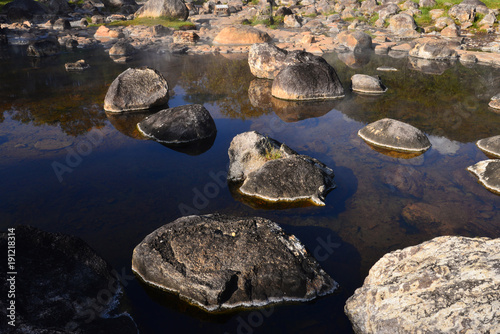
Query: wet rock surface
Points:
[395, 135]
[273, 172]
[445, 285]
[136, 89]
[59, 278]
[219, 262]
[179, 125]
[488, 173]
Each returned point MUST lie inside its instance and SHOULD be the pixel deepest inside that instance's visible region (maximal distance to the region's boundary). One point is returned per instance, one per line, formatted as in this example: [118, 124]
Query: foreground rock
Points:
[267, 60]
[272, 171]
[308, 81]
[490, 146]
[488, 173]
[433, 48]
[219, 262]
[179, 125]
[136, 89]
[395, 135]
[240, 34]
[62, 286]
[175, 9]
[445, 285]
[363, 83]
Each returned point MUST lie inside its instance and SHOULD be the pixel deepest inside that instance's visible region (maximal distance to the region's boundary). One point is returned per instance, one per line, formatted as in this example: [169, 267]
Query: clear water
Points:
[68, 167]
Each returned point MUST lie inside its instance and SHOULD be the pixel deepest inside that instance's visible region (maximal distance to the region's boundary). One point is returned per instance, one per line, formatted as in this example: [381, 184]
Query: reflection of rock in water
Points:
[126, 123]
[394, 154]
[193, 148]
[435, 67]
[259, 93]
[294, 111]
[355, 59]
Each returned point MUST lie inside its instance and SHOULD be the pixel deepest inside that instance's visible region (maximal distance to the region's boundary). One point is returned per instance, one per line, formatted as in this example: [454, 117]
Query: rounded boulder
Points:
[136, 89]
[363, 83]
[241, 35]
[488, 174]
[394, 135]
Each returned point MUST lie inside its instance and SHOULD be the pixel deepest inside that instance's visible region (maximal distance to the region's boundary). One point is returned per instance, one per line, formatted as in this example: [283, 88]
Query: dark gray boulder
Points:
[122, 48]
[219, 262]
[43, 48]
[266, 60]
[395, 136]
[179, 125]
[363, 83]
[490, 146]
[488, 173]
[272, 171]
[136, 89]
[164, 8]
[61, 286]
[21, 10]
[308, 81]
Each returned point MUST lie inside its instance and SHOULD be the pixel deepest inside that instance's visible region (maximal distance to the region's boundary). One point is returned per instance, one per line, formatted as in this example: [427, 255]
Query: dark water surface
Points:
[66, 166]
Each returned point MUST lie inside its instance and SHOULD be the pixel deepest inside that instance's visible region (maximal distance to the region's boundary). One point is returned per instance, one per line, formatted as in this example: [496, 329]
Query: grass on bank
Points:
[278, 21]
[3, 3]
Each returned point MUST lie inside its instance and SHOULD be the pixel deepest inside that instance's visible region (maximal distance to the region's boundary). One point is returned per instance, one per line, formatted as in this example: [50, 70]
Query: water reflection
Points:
[193, 148]
[126, 123]
[434, 67]
[355, 60]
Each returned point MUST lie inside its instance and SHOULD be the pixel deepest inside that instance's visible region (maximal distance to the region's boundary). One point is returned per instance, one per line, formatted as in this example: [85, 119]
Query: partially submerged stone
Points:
[136, 89]
[395, 135]
[308, 81]
[79, 65]
[363, 83]
[445, 285]
[43, 48]
[179, 125]
[273, 172]
[219, 262]
[59, 278]
[240, 34]
[433, 48]
[490, 146]
[495, 102]
[488, 173]
[122, 48]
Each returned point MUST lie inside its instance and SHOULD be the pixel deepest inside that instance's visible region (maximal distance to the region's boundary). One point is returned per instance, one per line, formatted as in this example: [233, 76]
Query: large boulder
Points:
[308, 81]
[43, 48]
[267, 60]
[394, 135]
[136, 89]
[433, 48]
[466, 10]
[122, 48]
[363, 83]
[445, 285]
[164, 8]
[240, 34]
[61, 286]
[490, 146]
[402, 23]
[179, 125]
[356, 41]
[273, 172]
[21, 10]
[220, 262]
[488, 173]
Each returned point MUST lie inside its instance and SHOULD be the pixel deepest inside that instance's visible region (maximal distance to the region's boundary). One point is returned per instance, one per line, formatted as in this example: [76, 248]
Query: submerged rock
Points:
[62, 286]
[267, 60]
[240, 34]
[488, 173]
[43, 48]
[490, 146]
[395, 135]
[445, 285]
[220, 262]
[179, 125]
[136, 89]
[175, 9]
[308, 81]
[363, 83]
[272, 171]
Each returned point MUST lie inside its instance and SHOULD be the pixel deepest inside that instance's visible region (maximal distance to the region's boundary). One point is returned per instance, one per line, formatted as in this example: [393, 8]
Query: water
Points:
[68, 167]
